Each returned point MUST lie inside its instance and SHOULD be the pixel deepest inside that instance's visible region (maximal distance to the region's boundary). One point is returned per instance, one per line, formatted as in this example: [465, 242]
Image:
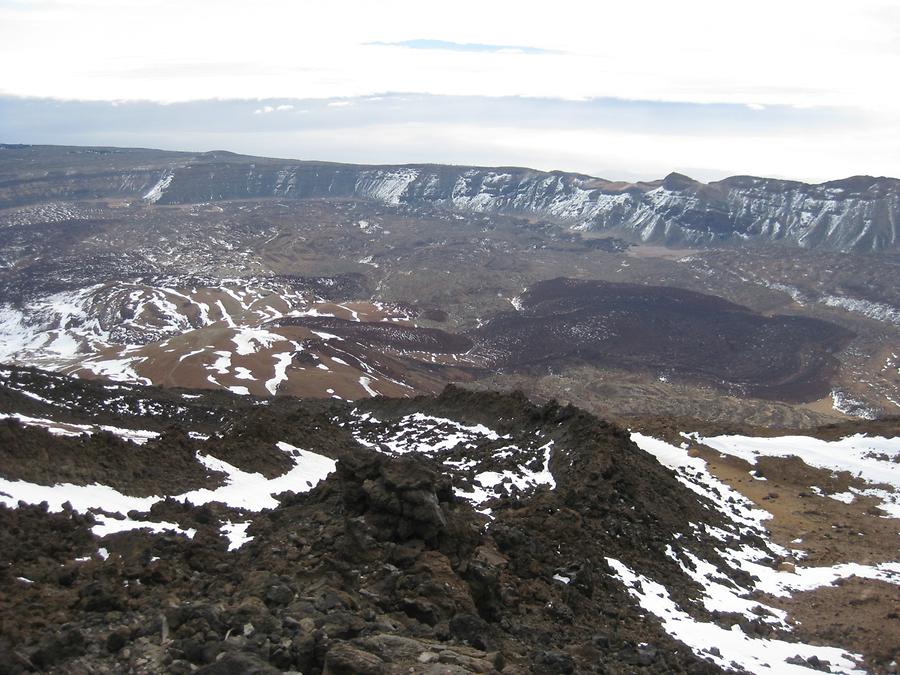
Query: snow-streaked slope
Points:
[729, 649]
[487, 464]
[237, 334]
[873, 459]
[242, 490]
[721, 590]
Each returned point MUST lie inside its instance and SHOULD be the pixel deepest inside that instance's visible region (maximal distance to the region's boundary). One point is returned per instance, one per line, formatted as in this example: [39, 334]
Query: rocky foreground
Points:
[465, 533]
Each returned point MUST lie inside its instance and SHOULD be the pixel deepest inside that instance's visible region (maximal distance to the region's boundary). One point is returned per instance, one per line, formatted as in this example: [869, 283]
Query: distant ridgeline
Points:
[861, 213]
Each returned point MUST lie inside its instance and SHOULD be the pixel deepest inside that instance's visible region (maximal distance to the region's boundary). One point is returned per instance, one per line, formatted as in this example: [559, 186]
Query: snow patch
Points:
[282, 361]
[157, 191]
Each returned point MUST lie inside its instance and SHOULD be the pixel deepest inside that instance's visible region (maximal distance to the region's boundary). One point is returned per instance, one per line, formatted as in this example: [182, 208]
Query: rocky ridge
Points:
[470, 532]
[861, 213]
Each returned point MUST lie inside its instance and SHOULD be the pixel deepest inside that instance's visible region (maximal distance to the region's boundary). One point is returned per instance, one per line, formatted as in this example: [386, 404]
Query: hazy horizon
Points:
[416, 128]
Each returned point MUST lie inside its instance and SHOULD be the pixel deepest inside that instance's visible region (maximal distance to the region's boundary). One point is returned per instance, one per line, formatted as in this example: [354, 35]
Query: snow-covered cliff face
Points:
[860, 213]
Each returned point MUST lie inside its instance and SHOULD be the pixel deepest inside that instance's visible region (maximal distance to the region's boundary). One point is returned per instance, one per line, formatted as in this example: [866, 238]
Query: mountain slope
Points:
[861, 213]
[468, 532]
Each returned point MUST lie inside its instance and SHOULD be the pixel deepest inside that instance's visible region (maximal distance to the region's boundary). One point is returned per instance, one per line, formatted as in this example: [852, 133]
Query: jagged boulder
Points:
[400, 499]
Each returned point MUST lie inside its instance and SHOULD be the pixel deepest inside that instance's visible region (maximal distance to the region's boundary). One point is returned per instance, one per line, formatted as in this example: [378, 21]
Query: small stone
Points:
[470, 629]
[427, 657]
[238, 664]
[344, 659]
[647, 655]
[279, 594]
[179, 667]
[116, 640]
[600, 640]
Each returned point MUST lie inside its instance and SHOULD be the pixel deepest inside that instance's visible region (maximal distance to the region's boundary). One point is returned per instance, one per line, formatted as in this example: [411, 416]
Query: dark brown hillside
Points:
[665, 330]
[377, 566]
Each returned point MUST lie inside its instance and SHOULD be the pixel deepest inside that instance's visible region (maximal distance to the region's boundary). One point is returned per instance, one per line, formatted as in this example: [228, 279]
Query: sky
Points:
[789, 88]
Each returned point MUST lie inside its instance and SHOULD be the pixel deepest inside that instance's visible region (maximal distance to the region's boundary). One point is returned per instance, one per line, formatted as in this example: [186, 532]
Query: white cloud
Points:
[807, 54]
[800, 52]
[266, 109]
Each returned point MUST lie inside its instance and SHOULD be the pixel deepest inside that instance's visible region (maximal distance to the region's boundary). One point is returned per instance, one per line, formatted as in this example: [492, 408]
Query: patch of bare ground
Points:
[830, 531]
[38, 456]
[648, 251]
[856, 614]
[825, 406]
[888, 427]
[670, 427]
[634, 399]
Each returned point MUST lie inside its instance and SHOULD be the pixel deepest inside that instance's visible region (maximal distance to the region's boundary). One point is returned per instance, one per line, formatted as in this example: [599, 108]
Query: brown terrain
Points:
[229, 308]
[855, 613]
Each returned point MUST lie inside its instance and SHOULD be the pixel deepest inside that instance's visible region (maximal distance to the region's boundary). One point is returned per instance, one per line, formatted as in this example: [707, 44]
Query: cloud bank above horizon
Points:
[791, 89]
